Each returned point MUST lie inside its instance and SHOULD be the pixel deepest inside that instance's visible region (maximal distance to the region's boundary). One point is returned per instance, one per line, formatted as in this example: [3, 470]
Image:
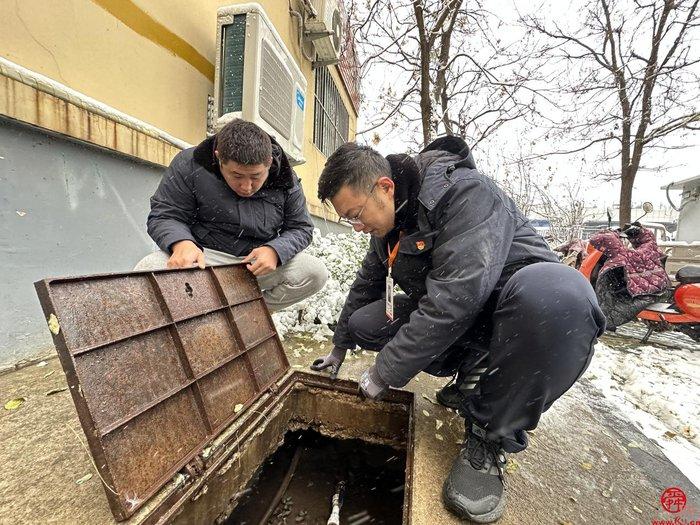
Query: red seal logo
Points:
[420, 245]
[673, 500]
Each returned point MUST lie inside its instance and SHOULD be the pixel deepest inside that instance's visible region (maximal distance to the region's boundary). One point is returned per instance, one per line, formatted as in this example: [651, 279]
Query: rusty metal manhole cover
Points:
[158, 363]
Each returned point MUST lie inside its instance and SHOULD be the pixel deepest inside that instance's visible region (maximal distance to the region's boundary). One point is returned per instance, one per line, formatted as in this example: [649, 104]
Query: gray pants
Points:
[301, 277]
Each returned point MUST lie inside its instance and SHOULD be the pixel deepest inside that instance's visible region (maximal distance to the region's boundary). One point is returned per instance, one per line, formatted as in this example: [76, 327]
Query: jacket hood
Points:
[407, 182]
[281, 174]
[446, 148]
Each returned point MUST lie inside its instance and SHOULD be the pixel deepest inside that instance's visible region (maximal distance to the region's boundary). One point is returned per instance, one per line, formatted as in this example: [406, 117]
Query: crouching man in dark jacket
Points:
[484, 298]
[235, 198]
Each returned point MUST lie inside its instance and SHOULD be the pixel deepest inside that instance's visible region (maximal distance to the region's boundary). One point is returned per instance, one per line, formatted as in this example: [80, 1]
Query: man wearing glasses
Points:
[484, 299]
[235, 198]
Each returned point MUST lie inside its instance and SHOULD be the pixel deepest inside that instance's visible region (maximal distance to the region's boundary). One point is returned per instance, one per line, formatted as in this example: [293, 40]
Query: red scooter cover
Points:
[643, 264]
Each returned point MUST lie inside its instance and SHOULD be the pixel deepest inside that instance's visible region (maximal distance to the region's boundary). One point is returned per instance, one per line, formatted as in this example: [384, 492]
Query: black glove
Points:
[332, 360]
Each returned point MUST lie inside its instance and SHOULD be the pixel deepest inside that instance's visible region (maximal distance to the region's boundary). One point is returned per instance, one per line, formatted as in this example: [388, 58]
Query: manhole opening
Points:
[335, 437]
[296, 484]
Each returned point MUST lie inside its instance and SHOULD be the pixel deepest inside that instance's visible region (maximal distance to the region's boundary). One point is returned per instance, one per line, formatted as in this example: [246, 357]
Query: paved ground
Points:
[586, 462]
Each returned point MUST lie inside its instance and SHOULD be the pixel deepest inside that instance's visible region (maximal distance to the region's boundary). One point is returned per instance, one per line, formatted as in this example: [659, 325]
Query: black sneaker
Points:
[449, 395]
[463, 385]
[474, 489]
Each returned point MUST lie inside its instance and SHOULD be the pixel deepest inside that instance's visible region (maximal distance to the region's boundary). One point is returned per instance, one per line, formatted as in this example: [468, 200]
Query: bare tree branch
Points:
[645, 54]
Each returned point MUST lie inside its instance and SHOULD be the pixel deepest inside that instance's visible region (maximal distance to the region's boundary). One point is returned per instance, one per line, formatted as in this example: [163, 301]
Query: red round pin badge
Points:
[673, 500]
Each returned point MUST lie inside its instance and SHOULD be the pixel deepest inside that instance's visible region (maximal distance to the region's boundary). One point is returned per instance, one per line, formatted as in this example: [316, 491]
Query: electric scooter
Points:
[680, 313]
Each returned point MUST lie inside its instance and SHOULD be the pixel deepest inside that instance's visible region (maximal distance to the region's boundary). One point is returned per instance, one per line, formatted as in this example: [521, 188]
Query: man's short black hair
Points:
[352, 165]
[243, 142]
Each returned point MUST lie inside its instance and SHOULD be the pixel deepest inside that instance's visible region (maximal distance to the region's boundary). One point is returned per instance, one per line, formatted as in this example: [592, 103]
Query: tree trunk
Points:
[425, 102]
[626, 183]
[441, 96]
[426, 105]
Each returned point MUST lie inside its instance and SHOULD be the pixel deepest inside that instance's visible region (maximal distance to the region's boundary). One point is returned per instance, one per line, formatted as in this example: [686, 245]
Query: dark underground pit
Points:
[297, 483]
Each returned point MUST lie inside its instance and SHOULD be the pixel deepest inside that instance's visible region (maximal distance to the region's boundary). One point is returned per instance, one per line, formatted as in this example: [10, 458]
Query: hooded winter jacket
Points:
[467, 237]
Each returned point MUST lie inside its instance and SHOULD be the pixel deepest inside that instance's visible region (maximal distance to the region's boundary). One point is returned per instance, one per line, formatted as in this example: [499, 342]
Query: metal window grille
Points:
[331, 118]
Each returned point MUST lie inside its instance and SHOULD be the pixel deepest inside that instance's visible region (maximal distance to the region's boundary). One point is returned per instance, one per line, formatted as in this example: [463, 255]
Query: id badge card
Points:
[390, 297]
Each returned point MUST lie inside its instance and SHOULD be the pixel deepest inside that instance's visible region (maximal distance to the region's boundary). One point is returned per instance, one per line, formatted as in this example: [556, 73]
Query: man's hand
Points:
[371, 385]
[186, 254]
[265, 260]
[332, 361]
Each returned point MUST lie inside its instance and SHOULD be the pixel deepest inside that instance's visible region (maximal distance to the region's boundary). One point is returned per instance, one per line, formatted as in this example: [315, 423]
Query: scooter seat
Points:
[688, 274]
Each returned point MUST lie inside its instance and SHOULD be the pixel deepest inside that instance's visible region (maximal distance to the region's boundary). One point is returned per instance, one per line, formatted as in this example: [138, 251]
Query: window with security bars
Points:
[331, 119]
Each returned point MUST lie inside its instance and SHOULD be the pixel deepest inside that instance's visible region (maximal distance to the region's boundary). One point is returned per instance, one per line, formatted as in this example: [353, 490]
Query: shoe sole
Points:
[456, 509]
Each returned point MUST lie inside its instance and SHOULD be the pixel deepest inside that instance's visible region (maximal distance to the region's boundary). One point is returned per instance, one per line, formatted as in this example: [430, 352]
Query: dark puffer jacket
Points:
[193, 202]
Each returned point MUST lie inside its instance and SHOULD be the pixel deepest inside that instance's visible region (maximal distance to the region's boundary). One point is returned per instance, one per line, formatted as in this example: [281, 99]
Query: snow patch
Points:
[657, 388]
[342, 254]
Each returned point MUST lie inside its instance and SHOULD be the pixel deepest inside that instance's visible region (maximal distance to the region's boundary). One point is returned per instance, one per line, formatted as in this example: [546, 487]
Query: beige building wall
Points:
[151, 59]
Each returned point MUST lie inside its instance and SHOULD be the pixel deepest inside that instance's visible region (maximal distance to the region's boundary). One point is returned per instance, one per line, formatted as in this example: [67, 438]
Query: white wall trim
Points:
[47, 85]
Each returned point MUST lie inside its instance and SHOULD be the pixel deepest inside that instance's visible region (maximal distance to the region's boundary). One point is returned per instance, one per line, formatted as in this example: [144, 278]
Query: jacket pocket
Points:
[272, 212]
[206, 237]
[413, 263]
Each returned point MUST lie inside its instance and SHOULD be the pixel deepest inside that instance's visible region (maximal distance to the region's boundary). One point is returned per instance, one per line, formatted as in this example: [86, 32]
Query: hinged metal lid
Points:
[158, 363]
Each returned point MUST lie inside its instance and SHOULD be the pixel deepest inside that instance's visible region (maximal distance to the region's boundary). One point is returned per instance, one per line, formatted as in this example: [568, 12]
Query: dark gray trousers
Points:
[544, 326]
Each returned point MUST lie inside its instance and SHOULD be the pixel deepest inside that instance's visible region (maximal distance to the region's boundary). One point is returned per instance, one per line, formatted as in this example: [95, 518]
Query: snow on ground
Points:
[342, 254]
[658, 389]
[670, 338]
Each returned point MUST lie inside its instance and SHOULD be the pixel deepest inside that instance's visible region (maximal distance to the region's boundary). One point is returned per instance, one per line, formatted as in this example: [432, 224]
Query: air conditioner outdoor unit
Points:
[325, 30]
[257, 79]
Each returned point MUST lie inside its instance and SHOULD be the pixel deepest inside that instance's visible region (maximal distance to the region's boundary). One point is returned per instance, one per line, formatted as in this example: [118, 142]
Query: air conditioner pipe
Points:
[310, 8]
[301, 28]
[668, 198]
